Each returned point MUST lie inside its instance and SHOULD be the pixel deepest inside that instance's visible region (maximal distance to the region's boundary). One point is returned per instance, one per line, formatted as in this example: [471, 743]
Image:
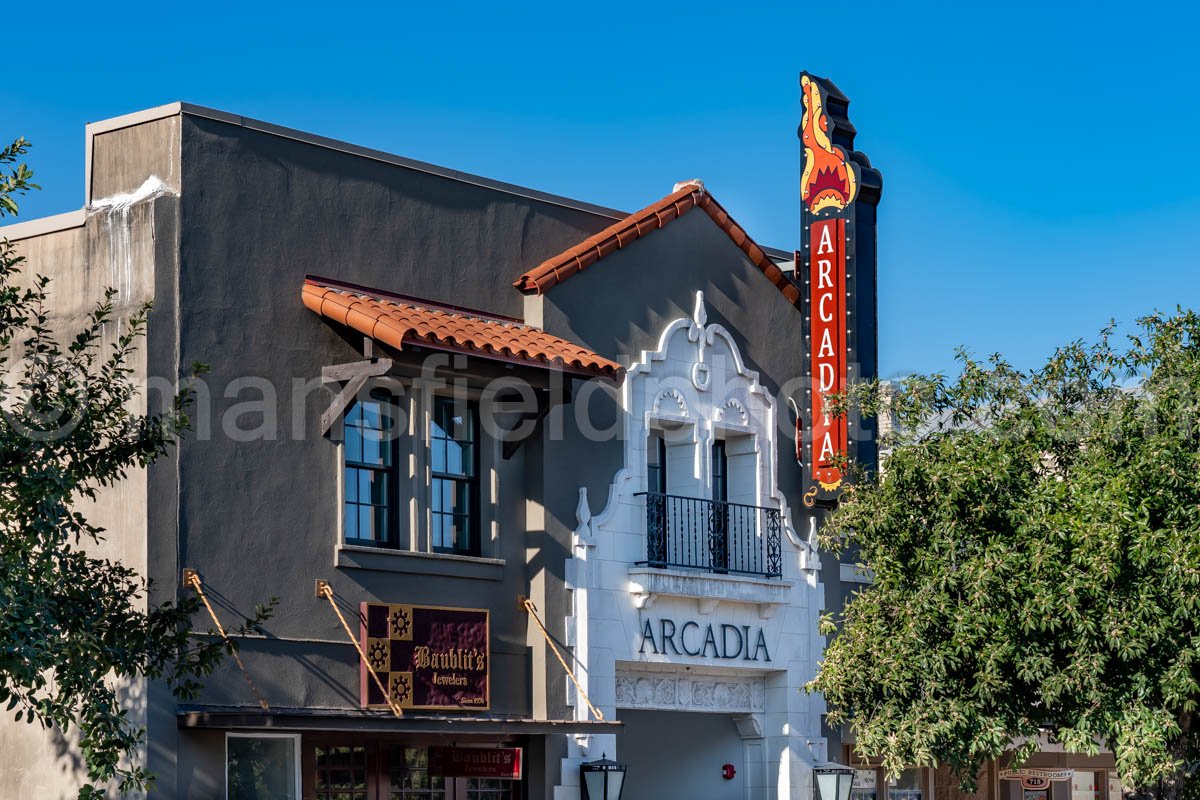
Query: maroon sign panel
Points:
[476, 762]
[827, 268]
[428, 657]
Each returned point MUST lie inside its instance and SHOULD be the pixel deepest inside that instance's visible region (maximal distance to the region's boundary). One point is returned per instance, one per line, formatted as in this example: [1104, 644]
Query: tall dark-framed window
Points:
[370, 473]
[656, 463]
[720, 472]
[454, 491]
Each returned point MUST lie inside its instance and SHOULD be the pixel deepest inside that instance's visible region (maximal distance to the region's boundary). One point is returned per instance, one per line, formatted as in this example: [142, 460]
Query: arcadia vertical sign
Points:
[827, 337]
[839, 192]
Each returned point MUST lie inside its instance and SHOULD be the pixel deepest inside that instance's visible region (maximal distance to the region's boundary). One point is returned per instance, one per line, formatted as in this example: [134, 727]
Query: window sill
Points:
[351, 556]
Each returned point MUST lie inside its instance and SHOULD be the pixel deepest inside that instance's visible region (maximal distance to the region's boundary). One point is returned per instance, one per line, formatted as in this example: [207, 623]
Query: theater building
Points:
[461, 430]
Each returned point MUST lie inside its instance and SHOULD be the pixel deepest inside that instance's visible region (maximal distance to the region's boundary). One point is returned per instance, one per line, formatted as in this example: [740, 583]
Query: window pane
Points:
[366, 528]
[351, 485]
[906, 787]
[454, 458]
[372, 449]
[341, 773]
[261, 768]
[464, 424]
[354, 450]
[439, 495]
[437, 448]
[371, 415]
[372, 487]
[381, 524]
[439, 530]
[460, 497]
[439, 421]
[458, 535]
[351, 517]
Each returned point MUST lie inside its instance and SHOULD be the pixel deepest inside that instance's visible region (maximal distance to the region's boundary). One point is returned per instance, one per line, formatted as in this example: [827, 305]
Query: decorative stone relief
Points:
[690, 693]
[735, 412]
[673, 396]
[583, 520]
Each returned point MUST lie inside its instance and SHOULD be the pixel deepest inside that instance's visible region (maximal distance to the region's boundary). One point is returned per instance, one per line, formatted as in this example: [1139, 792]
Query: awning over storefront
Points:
[308, 719]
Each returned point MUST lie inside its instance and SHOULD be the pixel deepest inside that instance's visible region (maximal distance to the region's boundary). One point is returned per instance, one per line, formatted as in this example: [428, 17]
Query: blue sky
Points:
[1041, 162]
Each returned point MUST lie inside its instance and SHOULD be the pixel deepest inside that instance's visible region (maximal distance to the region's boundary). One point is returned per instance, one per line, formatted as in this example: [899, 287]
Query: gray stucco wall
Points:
[258, 518]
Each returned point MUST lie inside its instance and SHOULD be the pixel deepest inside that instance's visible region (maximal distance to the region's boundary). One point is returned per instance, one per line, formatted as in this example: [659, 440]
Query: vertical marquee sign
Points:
[827, 344]
[839, 193]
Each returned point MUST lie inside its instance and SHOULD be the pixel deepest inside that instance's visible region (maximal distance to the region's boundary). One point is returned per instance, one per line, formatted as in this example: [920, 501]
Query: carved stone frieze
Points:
[690, 693]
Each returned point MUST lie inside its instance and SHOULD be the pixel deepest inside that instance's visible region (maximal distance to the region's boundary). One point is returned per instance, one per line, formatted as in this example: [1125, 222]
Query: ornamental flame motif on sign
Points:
[830, 179]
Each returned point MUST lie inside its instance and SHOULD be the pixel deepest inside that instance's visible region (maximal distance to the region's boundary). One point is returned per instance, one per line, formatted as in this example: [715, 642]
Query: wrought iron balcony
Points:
[712, 535]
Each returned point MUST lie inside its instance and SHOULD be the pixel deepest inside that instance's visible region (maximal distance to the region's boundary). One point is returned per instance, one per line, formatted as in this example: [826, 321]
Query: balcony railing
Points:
[712, 535]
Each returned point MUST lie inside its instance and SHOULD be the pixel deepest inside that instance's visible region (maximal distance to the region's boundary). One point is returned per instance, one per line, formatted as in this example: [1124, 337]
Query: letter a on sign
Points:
[827, 317]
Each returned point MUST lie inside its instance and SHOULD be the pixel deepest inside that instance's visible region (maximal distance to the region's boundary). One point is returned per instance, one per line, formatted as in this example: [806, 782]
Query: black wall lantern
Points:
[602, 780]
[832, 781]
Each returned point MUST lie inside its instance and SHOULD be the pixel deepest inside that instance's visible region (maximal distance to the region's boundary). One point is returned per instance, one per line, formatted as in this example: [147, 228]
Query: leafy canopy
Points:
[73, 628]
[1034, 542]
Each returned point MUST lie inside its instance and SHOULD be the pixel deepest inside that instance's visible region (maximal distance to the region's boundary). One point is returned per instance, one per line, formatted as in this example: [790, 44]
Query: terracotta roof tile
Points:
[641, 223]
[401, 322]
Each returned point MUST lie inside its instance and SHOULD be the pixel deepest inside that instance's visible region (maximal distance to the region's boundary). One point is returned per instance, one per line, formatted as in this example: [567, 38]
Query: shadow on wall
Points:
[132, 696]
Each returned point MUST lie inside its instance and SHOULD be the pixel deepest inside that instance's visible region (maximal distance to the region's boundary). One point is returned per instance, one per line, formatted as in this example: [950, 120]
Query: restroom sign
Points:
[827, 344]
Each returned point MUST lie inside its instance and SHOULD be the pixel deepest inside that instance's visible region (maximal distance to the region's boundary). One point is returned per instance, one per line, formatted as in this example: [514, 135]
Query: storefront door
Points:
[381, 771]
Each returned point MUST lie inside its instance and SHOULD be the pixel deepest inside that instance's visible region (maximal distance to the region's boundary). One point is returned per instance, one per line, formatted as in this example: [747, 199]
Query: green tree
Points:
[72, 627]
[1034, 543]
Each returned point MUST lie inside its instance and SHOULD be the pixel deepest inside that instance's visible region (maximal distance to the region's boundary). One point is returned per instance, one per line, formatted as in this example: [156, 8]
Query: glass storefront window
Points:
[388, 771]
[262, 767]
[865, 786]
[490, 789]
[906, 786]
[408, 775]
[341, 773]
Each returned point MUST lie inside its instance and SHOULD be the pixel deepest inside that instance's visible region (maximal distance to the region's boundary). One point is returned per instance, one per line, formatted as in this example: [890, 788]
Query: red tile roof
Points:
[688, 196]
[400, 322]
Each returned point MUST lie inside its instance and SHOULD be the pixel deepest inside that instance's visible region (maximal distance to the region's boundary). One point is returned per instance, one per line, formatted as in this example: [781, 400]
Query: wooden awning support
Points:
[528, 605]
[355, 376]
[191, 578]
[326, 591]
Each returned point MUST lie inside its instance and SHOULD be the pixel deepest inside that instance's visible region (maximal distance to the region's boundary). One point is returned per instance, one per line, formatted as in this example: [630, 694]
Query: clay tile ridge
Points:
[687, 196]
[400, 321]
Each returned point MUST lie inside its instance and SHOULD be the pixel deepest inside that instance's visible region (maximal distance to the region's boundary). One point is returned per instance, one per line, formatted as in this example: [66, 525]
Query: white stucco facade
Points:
[679, 639]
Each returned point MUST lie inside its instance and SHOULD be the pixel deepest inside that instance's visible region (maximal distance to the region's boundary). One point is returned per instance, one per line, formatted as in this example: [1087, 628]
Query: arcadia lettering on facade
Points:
[725, 641]
[428, 657]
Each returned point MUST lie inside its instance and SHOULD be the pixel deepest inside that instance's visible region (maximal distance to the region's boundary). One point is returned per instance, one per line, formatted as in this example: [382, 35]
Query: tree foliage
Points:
[1034, 543]
[75, 631]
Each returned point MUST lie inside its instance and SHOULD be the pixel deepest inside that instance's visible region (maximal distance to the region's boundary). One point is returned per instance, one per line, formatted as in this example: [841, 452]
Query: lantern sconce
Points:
[832, 781]
[603, 779]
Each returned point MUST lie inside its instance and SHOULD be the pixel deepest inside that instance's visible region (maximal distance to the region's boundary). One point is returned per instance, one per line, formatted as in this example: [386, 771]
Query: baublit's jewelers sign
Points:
[428, 657]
